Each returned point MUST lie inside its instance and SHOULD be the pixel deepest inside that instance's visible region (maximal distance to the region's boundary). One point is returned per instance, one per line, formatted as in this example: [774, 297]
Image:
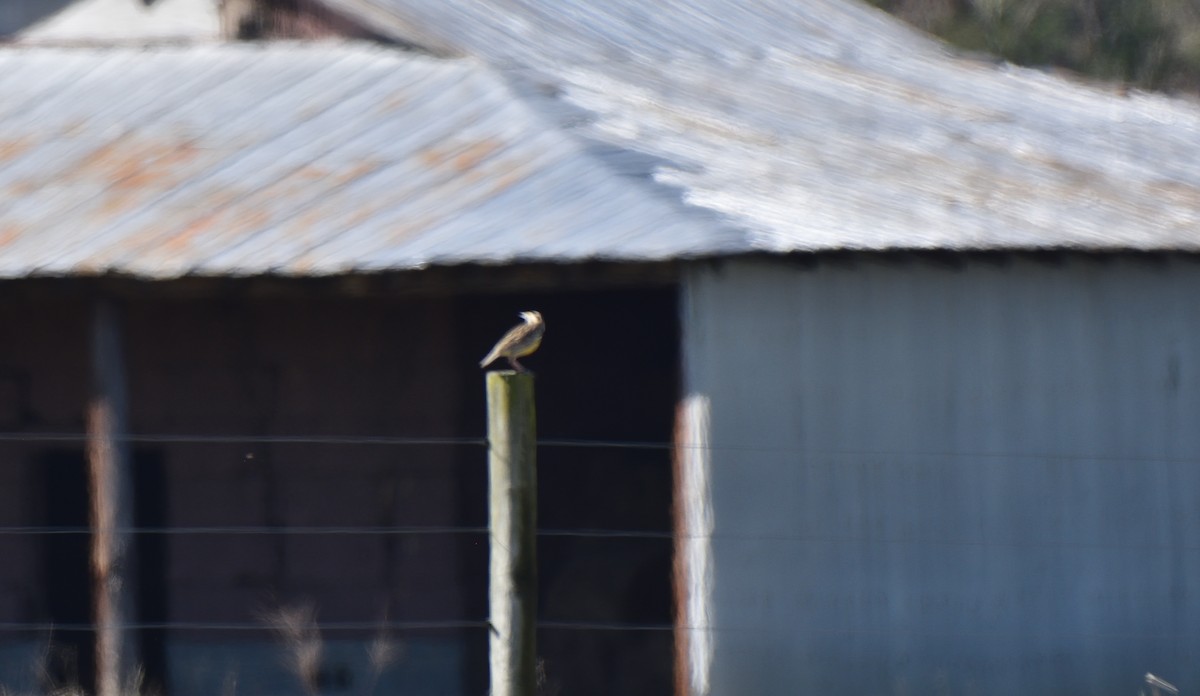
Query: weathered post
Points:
[113, 561]
[693, 547]
[512, 516]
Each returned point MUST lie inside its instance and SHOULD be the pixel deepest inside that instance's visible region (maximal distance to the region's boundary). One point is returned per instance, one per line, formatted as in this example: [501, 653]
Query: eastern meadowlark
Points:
[520, 341]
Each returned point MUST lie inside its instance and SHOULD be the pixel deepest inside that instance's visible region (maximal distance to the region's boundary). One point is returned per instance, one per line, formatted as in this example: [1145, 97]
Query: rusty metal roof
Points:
[566, 131]
[300, 159]
[826, 124]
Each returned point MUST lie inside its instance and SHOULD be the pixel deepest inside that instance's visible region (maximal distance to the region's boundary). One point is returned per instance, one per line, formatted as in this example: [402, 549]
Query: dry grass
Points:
[298, 631]
[43, 674]
[295, 627]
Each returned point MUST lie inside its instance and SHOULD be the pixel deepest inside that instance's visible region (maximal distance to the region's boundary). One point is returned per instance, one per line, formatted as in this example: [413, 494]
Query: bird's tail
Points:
[491, 357]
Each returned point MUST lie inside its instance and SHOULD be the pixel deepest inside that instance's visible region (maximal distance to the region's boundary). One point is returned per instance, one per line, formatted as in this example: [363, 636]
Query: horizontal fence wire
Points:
[327, 531]
[554, 625]
[264, 627]
[268, 627]
[349, 530]
[583, 443]
[246, 530]
[605, 534]
[169, 439]
[222, 439]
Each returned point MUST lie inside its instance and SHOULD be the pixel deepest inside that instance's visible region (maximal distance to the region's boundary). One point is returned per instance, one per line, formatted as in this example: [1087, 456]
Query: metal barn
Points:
[911, 334]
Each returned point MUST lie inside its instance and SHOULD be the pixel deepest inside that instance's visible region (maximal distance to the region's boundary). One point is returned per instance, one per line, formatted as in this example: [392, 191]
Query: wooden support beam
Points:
[694, 522]
[113, 559]
[512, 515]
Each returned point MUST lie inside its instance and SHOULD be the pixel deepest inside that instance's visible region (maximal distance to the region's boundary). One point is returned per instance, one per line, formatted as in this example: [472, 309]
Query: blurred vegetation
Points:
[1152, 44]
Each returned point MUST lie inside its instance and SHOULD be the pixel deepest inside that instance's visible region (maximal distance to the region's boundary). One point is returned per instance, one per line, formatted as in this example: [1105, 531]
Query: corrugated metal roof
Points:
[825, 124]
[119, 20]
[299, 159]
[571, 132]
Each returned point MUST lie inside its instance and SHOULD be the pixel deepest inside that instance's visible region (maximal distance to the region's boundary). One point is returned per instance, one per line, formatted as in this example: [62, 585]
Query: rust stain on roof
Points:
[152, 171]
[211, 223]
[11, 148]
[207, 181]
[134, 171]
[457, 157]
[134, 162]
[23, 187]
[310, 172]
[197, 226]
[9, 233]
[359, 170]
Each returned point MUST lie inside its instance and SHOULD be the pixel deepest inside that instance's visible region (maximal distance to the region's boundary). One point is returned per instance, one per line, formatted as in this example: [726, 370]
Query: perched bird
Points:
[520, 341]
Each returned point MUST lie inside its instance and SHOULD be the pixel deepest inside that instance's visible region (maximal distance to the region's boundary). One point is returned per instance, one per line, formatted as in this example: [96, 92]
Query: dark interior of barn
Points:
[271, 472]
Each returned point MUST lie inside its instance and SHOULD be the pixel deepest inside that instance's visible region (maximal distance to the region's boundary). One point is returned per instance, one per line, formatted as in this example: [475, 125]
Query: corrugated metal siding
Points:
[298, 159]
[961, 480]
[828, 125]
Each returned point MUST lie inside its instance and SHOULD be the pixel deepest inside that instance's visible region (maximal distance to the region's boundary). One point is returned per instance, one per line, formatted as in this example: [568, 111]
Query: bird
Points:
[521, 340]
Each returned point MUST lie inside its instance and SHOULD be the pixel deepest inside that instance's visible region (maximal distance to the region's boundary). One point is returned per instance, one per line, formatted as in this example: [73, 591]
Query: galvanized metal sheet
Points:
[298, 159]
[933, 474]
[826, 124]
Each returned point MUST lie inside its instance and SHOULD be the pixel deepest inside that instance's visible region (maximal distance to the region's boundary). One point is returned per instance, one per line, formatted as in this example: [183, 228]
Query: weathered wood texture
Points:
[693, 548]
[512, 510]
[113, 558]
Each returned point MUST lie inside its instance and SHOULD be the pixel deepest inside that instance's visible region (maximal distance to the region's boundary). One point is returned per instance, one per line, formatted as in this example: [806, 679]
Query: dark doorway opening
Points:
[150, 514]
[67, 569]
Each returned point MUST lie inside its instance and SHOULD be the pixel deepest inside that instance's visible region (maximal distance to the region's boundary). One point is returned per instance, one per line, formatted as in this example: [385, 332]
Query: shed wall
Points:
[970, 478]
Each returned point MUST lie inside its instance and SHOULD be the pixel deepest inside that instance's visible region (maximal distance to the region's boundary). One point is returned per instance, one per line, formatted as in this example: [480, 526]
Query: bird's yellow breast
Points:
[528, 346]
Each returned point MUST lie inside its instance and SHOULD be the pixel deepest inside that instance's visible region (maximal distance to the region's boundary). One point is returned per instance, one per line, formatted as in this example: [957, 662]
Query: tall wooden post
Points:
[694, 523]
[113, 561]
[512, 514]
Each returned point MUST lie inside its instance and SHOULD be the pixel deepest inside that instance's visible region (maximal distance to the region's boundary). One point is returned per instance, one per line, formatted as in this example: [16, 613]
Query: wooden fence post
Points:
[113, 560]
[512, 517]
